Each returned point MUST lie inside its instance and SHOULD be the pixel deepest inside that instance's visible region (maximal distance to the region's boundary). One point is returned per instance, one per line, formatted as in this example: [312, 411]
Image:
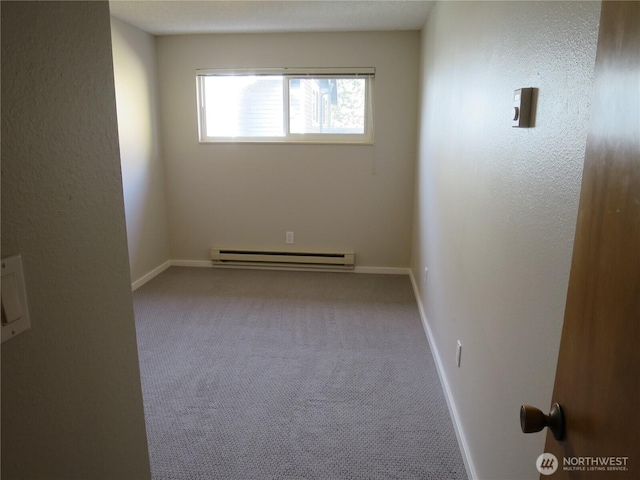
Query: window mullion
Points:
[201, 108]
[285, 106]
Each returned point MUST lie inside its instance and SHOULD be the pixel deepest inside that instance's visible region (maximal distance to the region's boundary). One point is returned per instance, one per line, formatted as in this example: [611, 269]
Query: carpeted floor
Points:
[251, 374]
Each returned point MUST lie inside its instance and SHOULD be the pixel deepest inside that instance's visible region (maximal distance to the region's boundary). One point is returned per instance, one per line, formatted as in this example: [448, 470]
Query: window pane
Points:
[244, 106]
[320, 105]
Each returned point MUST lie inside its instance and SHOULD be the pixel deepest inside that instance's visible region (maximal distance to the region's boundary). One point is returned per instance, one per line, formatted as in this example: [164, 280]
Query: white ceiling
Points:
[171, 17]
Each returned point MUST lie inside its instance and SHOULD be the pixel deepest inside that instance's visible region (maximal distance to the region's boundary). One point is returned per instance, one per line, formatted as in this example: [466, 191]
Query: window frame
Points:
[287, 74]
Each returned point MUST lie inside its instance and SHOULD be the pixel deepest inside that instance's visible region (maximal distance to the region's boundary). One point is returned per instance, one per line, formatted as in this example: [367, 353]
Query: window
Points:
[286, 105]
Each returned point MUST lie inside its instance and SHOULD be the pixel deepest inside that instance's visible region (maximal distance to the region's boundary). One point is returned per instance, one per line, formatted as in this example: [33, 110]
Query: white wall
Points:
[71, 395]
[134, 61]
[495, 208]
[249, 195]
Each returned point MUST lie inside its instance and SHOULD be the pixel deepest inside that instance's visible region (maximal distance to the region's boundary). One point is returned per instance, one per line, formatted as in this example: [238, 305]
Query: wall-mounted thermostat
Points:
[521, 108]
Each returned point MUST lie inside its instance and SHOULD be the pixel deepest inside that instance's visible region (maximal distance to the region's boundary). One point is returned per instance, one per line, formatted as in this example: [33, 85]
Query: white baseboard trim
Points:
[191, 263]
[457, 426]
[153, 273]
[377, 270]
[384, 270]
[207, 264]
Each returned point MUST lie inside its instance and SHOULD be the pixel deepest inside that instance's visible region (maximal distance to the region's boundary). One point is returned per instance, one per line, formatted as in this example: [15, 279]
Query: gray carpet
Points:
[251, 374]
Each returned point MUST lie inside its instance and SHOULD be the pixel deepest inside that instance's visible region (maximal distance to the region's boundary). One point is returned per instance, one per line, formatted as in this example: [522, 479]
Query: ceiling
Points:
[172, 17]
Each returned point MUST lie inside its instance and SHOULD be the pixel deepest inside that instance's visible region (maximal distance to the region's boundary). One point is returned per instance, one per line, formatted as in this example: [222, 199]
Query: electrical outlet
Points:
[289, 237]
[426, 271]
[458, 353]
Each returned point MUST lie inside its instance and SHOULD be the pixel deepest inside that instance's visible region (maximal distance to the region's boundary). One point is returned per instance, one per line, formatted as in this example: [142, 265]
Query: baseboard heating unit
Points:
[270, 258]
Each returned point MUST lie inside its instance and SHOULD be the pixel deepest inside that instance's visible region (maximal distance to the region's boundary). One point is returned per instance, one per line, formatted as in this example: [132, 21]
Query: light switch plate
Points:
[15, 311]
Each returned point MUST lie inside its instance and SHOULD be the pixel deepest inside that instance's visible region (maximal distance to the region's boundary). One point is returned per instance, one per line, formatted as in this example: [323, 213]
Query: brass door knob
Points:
[533, 420]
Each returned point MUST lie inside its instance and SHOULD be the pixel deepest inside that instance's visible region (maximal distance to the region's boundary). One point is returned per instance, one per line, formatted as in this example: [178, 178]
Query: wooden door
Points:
[598, 373]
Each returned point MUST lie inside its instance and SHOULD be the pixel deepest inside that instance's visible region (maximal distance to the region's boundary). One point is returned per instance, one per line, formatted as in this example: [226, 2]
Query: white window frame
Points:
[366, 138]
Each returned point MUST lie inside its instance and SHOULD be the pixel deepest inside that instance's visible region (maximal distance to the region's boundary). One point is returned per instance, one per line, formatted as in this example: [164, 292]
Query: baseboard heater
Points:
[269, 258]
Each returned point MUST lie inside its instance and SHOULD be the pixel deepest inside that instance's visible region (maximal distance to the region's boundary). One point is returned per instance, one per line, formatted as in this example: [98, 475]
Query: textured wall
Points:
[249, 195]
[496, 207]
[134, 64]
[71, 397]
